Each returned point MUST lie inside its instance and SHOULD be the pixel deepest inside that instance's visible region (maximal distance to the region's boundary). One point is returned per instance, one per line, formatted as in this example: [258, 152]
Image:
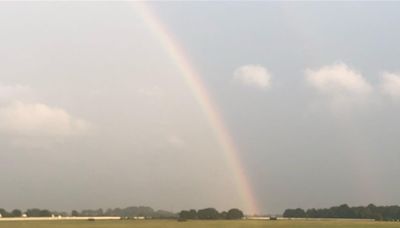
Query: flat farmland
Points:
[198, 224]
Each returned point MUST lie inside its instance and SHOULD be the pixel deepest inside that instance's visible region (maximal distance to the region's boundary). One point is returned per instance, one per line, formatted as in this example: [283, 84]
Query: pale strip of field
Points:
[309, 219]
[198, 224]
[58, 218]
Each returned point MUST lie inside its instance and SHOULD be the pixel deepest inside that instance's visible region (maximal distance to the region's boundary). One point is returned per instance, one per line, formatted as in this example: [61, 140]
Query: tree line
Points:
[380, 213]
[34, 212]
[210, 213]
[128, 212]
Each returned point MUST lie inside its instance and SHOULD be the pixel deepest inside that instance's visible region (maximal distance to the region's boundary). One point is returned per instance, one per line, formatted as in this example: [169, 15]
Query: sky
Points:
[94, 112]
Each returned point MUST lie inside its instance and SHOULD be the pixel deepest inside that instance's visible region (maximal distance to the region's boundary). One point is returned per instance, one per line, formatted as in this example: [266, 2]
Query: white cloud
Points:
[390, 84]
[338, 80]
[37, 119]
[253, 75]
[343, 88]
[21, 118]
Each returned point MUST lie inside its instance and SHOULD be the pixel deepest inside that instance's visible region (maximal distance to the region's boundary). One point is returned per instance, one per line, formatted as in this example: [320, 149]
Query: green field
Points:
[196, 224]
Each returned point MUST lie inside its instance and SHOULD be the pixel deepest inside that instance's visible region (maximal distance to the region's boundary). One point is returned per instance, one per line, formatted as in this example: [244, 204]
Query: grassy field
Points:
[197, 224]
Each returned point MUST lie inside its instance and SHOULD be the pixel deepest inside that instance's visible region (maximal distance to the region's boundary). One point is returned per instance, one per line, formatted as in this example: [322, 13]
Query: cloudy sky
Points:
[95, 113]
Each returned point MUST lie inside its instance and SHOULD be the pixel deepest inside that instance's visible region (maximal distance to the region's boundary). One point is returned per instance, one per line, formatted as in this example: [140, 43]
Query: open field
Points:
[197, 224]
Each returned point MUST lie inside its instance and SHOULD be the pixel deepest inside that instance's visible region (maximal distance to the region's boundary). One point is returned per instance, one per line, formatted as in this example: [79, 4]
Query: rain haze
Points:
[99, 109]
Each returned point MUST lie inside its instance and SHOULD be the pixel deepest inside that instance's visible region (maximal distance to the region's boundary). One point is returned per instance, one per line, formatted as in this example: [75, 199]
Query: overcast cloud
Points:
[95, 113]
[390, 84]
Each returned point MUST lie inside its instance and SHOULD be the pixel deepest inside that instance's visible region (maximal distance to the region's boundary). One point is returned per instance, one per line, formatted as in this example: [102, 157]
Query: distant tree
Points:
[294, 213]
[16, 213]
[344, 211]
[44, 213]
[184, 215]
[223, 215]
[164, 214]
[98, 212]
[234, 214]
[312, 213]
[74, 213]
[4, 213]
[132, 212]
[34, 212]
[191, 214]
[391, 213]
[387, 213]
[208, 213]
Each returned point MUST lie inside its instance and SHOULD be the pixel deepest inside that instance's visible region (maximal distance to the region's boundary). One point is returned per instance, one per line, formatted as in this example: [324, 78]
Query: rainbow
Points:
[193, 80]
